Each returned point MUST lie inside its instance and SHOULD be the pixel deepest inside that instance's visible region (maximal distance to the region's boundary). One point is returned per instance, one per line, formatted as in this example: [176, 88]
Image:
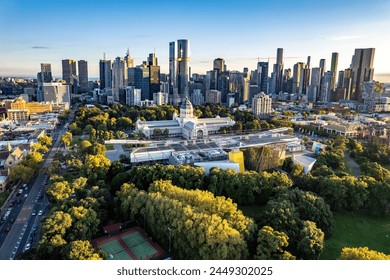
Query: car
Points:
[7, 229]
[27, 247]
[20, 191]
[25, 195]
[40, 213]
[34, 213]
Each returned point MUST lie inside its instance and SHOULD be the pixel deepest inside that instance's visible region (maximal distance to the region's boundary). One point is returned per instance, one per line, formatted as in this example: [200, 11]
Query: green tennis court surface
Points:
[140, 247]
[115, 250]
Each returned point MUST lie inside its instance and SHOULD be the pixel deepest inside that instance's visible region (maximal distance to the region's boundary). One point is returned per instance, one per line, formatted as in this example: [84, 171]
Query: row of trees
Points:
[244, 188]
[79, 206]
[201, 225]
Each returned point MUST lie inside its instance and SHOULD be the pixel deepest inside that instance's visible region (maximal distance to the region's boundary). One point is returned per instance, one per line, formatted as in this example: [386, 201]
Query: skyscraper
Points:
[278, 71]
[262, 78]
[183, 60]
[172, 67]
[219, 64]
[105, 73]
[362, 68]
[128, 59]
[299, 77]
[333, 68]
[68, 70]
[322, 66]
[83, 75]
[154, 75]
[69, 74]
[326, 84]
[46, 73]
[118, 76]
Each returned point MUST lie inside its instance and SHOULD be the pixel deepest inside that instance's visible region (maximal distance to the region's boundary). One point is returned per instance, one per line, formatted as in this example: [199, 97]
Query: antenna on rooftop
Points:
[104, 55]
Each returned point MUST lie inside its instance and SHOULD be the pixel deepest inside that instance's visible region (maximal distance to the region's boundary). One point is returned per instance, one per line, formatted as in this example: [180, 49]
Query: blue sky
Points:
[35, 31]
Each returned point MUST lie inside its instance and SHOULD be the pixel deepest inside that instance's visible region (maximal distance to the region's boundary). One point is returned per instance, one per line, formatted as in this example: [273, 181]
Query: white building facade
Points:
[185, 125]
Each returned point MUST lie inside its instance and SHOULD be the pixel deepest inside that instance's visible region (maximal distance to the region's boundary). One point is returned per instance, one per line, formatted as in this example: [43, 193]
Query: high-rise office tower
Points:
[297, 78]
[278, 71]
[212, 80]
[68, 70]
[363, 71]
[118, 77]
[333, 68]
[239, 85]
[46, 73]
[262, 76]
[128, 59]
[83, 75]
[322, 66]
[219, 64]
[344, 84]
[279, 56]
[154, 75]
[183, 74]
[69, 74]
[105, 73]
[326, 84]
[308, 61]
[141, 80]
[172, 67]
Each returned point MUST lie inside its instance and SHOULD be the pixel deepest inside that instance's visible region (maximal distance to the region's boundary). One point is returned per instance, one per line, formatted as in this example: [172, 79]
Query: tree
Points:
[85, 223]
[96, 167]
[67, 139]
[45, 140]
[34, 157]
[310, 207]
[60, 191]
[81, 250]
[362, 253]
[378, 200]
[53, 233]
[124, 123]
[21, 172]
[311, 241]
[272, 244]
[37, 147]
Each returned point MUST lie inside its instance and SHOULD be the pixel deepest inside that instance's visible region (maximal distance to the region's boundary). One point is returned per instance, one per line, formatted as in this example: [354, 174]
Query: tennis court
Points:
[140, 247]
[115, 250]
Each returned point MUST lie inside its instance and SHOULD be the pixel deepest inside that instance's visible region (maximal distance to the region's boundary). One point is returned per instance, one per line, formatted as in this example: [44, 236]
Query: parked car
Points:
[34, 212]
[40, 213]
[27, 247]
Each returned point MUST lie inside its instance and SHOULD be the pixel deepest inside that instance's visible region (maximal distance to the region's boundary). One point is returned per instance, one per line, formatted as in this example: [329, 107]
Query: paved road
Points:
[25, 220]
[24, 229]
[354, 166]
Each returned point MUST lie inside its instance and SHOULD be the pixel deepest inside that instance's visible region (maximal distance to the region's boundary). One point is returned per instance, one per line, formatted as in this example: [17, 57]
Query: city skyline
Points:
[241, 34]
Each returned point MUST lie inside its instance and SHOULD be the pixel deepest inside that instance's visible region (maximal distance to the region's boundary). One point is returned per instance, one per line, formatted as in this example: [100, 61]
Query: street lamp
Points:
[170, 239]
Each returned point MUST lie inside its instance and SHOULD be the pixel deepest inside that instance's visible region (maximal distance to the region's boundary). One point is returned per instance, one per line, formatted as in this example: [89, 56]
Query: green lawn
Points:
[357, 230]
[76, 140]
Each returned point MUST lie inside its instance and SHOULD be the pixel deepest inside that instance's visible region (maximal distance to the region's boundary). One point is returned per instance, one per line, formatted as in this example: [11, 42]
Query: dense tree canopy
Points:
[201, 226]
[362, 253]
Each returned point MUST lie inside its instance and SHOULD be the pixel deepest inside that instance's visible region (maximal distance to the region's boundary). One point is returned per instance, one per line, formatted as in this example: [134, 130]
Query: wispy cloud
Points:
[344, 37]
[39, 47]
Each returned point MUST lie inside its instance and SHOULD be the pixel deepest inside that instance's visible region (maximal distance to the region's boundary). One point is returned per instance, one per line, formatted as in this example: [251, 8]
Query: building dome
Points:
[186, 109]
[187, 105]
